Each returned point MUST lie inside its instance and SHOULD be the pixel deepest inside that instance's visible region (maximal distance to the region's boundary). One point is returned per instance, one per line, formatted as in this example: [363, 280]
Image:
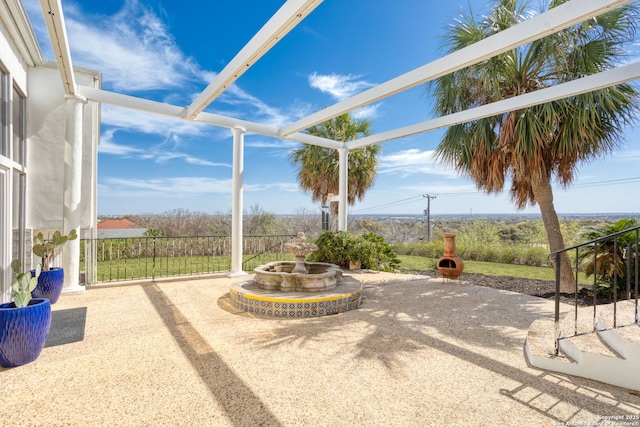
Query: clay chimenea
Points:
[450, 265]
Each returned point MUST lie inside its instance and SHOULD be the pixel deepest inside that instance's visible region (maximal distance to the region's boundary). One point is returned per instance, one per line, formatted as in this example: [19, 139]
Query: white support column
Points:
[236, 202]
[72, 193]
[343, 189]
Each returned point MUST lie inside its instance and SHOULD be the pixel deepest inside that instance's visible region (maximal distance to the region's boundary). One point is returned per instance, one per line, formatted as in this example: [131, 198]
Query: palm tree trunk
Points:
[544, 197]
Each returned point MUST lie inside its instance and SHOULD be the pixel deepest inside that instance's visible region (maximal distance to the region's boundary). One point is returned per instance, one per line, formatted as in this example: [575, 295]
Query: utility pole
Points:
[428, 213]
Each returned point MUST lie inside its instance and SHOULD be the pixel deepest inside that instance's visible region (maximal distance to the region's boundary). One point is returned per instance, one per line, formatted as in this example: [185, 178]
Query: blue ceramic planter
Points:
[49, 284]
[23, 331]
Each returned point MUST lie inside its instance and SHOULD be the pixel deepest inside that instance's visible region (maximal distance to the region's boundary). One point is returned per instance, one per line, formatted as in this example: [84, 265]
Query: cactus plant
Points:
[47, 248]
[23, 284]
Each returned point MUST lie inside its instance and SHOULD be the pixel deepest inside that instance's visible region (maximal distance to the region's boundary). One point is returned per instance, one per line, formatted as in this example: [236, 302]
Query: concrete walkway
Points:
[418, 352]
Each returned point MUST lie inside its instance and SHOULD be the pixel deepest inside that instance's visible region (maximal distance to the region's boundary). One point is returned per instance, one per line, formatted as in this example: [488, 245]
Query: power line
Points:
[610, 182]
[396, 203]
[463, 193]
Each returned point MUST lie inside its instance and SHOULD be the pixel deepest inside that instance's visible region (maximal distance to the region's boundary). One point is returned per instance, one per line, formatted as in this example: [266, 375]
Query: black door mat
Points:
[67, 326]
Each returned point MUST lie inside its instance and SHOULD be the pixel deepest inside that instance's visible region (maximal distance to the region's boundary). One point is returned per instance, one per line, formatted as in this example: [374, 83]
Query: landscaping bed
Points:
[534, 287]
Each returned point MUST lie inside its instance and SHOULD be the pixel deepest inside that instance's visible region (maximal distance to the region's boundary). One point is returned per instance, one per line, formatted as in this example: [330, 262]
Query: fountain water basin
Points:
[282, 276]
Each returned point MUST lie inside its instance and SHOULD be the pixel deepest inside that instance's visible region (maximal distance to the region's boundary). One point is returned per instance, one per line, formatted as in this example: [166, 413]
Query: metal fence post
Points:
[557, 304]
[153, 259]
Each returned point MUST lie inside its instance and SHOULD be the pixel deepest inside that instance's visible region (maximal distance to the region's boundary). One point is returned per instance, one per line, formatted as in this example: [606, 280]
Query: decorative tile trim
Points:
[295, 308]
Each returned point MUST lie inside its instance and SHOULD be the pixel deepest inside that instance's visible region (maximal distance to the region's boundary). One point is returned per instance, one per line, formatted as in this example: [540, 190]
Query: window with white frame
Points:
[18, 126]
[12, 179]
[4, 110]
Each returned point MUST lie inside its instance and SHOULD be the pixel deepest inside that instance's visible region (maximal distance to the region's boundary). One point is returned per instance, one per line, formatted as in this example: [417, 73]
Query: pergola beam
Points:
[590, 83]
[127, 101]
[54, 18]
[141, 104]
[553, 20]
[283, 21]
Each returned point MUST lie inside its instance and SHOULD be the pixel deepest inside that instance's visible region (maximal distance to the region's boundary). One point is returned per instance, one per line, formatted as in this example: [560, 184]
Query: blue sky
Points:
[169, 51]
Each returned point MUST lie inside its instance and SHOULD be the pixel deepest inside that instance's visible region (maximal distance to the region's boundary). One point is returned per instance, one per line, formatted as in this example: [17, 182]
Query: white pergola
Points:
[285, 19]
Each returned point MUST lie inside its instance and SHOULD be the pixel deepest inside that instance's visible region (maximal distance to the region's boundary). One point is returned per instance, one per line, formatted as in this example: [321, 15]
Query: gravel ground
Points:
[417, 353]
[538, 288]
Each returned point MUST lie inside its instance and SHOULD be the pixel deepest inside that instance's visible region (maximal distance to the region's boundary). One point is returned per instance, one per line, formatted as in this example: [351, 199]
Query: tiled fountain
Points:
[297, 288]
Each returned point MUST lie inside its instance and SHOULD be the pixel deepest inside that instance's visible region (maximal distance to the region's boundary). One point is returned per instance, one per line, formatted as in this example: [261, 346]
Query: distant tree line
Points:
[470, 231]
[256, 221]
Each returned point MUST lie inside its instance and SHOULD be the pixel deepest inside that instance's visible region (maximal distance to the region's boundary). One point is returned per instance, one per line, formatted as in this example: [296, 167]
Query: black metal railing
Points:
[610, 262]
[152, 257]
[275, 252]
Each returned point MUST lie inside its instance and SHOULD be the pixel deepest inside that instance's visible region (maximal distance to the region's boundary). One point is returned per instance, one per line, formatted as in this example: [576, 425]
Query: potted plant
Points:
[25, 322]
[51, 279]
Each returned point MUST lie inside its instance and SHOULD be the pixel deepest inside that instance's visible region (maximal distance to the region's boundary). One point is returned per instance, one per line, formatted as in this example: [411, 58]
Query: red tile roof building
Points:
[119, 228]
[117, 224]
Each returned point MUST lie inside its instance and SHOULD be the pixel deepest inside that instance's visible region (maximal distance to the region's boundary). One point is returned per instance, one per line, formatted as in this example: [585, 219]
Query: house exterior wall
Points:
[12, 60]
[40, 206]
[14, 65]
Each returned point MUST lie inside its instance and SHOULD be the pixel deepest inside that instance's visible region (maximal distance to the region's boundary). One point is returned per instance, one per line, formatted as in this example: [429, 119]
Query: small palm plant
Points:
[47, 248]
[607, 259]
[23, 284]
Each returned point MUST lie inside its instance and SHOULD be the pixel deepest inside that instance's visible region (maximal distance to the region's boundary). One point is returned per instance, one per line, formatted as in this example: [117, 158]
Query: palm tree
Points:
[319, 166]
[532, 147]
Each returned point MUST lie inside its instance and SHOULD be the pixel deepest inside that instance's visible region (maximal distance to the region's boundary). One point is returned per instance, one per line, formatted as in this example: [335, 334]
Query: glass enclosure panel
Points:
[18, 217]
[4, 115]
[18, 112]
[5, 238]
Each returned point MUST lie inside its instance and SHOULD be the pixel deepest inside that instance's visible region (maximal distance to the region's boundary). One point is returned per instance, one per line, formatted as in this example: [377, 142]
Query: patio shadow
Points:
[447, 317]
[242, 406]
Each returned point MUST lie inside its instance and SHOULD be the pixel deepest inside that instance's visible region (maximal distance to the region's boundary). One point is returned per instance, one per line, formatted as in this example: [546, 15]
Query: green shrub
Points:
[379, 255]
[340, 248]
[506, 254]
[333, 247]
[535, 256]
[433, 249]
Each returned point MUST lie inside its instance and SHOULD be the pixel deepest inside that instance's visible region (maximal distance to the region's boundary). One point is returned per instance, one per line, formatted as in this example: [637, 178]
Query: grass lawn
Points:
[168, 266]
[126, 269]
[413, 262]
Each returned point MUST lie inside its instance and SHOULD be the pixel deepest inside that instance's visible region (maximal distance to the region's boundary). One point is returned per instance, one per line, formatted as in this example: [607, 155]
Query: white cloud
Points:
[630, 155]
[251, 108]
[182, 187]
[463, 188]
[338, 86]
[158, 153]
[282, 144]
[165, 156]
[341, 87]
[132, 48]
[413, 161]
[368, 112]
[259, 110]
[140, 121]
[288, 187]
[165, 187]
[108, 146]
